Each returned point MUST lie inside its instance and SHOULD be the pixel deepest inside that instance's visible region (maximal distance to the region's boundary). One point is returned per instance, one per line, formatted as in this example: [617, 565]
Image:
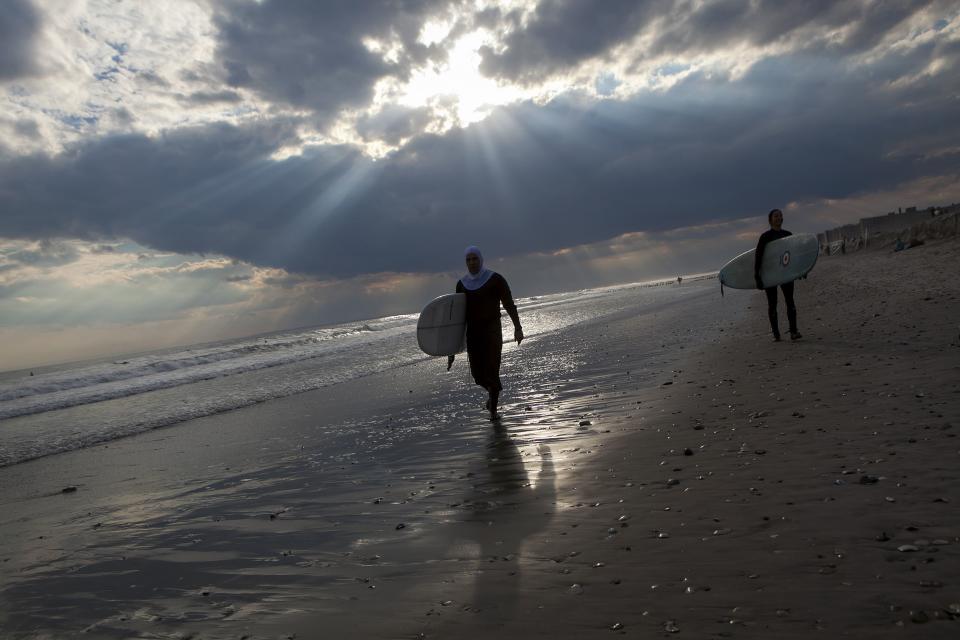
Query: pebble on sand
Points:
[919, 617]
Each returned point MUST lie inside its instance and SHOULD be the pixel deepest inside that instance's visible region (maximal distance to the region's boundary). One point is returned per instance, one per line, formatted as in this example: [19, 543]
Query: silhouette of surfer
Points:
[775, 232]
[485, 291]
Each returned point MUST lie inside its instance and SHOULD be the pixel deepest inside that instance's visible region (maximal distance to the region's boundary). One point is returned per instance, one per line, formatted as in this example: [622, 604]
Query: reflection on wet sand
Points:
[502, 489]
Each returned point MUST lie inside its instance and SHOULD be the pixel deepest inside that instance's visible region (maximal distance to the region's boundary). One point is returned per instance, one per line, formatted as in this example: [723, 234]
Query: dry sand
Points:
[749, 489]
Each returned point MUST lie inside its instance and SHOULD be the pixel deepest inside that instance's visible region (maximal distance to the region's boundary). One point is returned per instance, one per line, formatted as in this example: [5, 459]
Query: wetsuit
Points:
[766, 238]
[484, 336]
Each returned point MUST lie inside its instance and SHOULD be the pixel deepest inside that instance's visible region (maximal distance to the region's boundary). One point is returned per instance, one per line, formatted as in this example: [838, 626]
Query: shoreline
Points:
[563, 556]
[48, 367]
[122, 402]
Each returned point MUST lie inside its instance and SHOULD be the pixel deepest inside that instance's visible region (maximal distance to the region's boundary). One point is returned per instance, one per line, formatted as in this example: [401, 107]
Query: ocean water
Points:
[67, 407]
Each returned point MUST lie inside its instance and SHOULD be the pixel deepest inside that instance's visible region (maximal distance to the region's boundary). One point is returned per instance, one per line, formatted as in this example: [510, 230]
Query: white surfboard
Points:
[441, 329]
[784, 260]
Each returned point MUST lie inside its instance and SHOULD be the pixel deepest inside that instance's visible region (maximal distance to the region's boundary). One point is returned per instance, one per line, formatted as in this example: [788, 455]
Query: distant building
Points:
[834, 241]
[949, 209]
[893, 223]
[851, 237]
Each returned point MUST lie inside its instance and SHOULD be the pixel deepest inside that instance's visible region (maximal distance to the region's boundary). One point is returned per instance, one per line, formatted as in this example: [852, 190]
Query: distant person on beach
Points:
[485, 291]
[775, 232]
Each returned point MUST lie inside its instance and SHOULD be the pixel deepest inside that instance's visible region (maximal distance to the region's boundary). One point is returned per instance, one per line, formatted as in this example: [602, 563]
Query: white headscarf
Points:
[472, 282]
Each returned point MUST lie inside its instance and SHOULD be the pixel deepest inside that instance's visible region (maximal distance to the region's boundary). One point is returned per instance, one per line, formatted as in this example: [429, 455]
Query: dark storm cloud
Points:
[19, 23]
[212, 97]
[529, 178]
[107, 187]
[563, 33]
[393, 123]
[311, 54]
[49, 253]
[27, 128]
[151, 78]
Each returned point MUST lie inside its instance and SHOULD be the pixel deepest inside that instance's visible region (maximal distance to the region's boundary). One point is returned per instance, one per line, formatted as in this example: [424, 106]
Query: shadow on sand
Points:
[508, 508]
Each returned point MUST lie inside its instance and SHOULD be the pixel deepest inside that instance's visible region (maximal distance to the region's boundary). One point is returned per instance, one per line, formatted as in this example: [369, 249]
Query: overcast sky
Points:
[187, 170]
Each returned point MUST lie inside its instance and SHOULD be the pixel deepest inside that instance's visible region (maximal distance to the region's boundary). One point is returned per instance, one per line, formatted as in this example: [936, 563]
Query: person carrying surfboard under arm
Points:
[485, 291]
[775, 232]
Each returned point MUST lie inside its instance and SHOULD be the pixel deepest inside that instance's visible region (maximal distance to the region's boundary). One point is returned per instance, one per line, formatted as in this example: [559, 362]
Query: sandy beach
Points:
[665, 473]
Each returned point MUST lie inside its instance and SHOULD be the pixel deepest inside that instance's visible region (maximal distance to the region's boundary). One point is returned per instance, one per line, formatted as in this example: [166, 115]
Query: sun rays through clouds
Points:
[314, 150]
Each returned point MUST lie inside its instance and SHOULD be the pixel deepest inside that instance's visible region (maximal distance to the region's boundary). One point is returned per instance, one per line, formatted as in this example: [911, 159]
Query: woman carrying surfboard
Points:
[485, 291]
[775, 232]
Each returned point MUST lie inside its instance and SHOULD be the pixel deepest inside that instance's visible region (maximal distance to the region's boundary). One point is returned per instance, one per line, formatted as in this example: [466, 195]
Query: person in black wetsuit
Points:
[485, 291]
[775, 218]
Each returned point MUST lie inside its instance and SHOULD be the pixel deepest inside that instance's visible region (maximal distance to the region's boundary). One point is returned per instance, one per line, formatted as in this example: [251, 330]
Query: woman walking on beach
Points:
[775, 232]
[485, 291]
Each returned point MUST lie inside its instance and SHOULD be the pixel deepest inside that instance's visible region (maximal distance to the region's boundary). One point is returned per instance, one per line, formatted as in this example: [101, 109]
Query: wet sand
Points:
[674, 473]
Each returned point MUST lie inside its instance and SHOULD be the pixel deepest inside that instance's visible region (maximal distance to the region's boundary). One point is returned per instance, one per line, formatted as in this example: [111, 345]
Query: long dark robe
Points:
[484, 335]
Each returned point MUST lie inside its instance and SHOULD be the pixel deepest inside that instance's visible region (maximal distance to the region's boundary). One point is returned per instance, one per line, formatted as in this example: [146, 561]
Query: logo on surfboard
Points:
[785, 258]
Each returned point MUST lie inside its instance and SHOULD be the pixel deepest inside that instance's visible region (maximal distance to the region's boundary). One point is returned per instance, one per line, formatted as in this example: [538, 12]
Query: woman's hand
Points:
[518, 335]
[450, 362]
